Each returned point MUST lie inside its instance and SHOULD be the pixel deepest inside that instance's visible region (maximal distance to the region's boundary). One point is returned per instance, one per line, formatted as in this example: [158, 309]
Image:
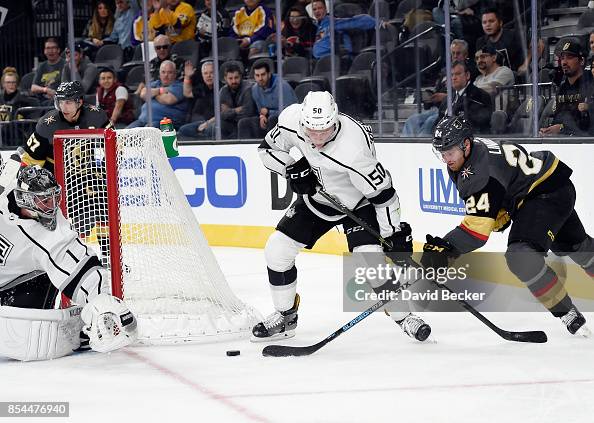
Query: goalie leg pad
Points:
[31, 334]
[109, 324]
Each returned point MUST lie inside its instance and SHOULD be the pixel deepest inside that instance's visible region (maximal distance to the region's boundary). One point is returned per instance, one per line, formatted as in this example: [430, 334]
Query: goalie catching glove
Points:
[436, 253]
[301, 178]
[402, 246]
[109, 323]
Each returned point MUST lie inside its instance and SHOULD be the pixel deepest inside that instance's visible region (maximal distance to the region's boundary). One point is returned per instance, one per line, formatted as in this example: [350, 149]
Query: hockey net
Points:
[121, 195]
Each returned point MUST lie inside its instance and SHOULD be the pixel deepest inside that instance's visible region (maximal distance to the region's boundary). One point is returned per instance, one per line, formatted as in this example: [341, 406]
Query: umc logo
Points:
[438, 194]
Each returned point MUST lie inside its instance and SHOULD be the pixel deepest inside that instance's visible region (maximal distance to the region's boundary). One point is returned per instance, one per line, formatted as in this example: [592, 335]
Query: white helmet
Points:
[319, 117]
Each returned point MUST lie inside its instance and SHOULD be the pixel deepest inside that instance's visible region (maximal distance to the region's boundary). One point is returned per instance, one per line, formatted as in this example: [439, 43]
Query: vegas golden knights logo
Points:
[5, 112]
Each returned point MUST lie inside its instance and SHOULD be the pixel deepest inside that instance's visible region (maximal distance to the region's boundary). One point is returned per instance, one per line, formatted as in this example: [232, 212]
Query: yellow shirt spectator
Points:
[177, 20]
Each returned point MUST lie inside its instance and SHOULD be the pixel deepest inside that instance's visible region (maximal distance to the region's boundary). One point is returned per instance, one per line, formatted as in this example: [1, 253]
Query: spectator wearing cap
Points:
[572, 112]
[49, 73]
[177, 20]
[86, 71]
[505, 41]
[493, 75]
[113, 97]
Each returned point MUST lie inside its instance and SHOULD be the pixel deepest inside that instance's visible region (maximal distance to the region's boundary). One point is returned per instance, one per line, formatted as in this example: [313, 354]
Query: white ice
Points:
[371, 373]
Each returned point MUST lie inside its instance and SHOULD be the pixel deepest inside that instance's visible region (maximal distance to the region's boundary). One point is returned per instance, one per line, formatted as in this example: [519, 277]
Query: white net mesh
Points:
[170, 277]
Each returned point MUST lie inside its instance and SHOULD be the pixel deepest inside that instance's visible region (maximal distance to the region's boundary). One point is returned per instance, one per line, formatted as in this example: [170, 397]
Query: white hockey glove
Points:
[109, 323]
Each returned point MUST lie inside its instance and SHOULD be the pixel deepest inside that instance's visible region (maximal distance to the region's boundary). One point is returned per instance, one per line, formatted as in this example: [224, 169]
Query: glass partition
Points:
[515, 68]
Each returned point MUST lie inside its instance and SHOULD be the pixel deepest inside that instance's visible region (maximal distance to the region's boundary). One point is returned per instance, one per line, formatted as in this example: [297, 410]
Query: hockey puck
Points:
[232, 353]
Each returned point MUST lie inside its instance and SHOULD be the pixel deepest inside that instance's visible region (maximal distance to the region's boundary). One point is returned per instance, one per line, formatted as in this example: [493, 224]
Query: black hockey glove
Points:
[301, 178]
[436, 252]
[402, 245]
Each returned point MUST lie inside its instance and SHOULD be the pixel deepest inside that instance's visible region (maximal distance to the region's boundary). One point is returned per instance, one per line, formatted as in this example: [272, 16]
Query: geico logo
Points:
[213, 181]
[438, 194]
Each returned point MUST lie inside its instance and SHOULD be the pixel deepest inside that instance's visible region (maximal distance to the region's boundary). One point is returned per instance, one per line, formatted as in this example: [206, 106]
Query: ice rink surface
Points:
[372, 373]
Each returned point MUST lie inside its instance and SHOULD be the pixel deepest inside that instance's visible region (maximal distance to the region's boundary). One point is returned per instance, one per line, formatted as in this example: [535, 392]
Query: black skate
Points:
[280, 324]
[415, 327]
[575, 321]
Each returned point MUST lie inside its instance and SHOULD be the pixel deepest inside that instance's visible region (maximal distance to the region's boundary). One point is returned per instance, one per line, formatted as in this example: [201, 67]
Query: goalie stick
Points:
[287, 351]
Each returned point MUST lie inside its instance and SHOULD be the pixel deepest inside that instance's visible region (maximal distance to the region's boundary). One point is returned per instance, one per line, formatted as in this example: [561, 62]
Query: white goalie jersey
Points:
[346, 167]
[28, 249]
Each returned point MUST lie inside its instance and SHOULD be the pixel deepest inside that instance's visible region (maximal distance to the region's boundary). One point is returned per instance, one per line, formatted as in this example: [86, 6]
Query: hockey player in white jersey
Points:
[338, 156]
[41, 256]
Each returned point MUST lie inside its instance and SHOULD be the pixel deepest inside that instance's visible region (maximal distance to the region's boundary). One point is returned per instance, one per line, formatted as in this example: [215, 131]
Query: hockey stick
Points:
[288, 351]
[529, 336]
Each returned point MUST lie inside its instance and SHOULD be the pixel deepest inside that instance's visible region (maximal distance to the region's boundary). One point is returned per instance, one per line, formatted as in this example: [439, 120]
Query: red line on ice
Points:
[224, 400]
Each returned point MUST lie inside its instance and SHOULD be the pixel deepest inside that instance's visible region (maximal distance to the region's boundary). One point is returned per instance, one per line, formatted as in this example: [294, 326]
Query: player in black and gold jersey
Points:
[501, 183]
[70, 113]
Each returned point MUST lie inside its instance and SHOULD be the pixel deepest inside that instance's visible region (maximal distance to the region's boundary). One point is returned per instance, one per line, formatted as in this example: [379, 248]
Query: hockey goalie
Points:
[41, 256]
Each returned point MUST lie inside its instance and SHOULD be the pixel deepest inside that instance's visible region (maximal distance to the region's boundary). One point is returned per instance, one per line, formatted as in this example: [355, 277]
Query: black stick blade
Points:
[287, 351]
[537, 336]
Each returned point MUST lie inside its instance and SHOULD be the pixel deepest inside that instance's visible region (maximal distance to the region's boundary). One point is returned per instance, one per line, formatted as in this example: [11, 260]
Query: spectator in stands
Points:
[122, 27]
[572, 111]
[421, 124]
[113, 98]
[11, 99]
[201, 89]
[265, 94]
[204, 26]
[167, 99]
[321, 46]
[86, 71]
[299, 32]
[505, 41]
[98, 28]
[525, 68]
[163, 49]
[492, 75]
[591, 43]
[177, 20]
[470, 102]
[49, 73]
[138, 27]
[286, 5]
[251, 25]
[464, 19]
[236, 103]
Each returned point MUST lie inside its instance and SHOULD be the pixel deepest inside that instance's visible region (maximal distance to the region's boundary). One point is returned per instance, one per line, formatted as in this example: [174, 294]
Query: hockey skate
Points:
[414, 327]
[280, 324]
[575, 323]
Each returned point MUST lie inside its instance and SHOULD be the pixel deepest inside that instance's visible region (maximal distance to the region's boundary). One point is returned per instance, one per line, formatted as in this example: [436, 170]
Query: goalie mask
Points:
[319, 117]
[38, 192]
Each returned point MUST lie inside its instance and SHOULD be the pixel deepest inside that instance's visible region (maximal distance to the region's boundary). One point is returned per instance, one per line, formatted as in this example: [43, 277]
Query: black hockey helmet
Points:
[451, 131]
[38, 191]
[70, 91]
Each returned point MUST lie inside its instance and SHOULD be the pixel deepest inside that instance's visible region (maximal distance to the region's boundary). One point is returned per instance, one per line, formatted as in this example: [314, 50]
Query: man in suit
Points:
[471, 103]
